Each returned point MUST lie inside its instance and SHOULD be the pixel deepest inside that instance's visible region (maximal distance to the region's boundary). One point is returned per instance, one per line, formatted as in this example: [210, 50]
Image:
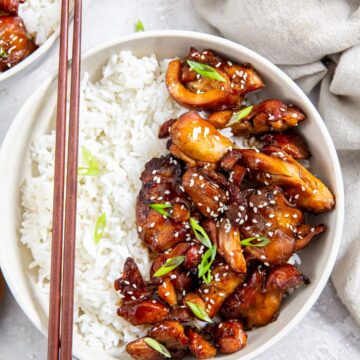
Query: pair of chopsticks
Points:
[61, 307]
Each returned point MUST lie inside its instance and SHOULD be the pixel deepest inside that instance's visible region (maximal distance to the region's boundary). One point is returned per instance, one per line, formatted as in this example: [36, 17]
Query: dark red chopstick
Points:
[67, 310]
[62, 295]
[58, 197]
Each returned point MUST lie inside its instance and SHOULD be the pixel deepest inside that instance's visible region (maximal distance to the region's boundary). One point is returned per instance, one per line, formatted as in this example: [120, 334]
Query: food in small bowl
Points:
[132, 126]
[25, 25]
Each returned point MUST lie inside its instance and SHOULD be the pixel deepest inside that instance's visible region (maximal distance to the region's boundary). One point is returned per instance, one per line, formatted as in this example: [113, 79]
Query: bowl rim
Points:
[338, 180]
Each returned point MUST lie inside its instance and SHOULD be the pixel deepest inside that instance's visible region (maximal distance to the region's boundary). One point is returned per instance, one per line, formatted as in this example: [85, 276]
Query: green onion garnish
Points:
[157, 346]
[3, 54]
[160, 208]
[100, 228]
[139, 26]
[200, 233]
[92, 168]
[204, 270]
[199, 312]
[239, 115]
[205, 70]
[261, 241]
[170, 265]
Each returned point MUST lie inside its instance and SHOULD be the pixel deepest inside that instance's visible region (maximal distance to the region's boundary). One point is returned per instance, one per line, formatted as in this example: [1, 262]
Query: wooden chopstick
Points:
[67, 310]
[58, 197]
[62, 297]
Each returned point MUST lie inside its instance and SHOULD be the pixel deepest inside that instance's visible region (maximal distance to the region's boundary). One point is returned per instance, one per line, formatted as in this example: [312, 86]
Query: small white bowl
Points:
[36, 117]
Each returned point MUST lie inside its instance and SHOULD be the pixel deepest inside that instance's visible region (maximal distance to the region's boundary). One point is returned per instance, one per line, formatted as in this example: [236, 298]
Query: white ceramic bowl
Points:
[36, 117]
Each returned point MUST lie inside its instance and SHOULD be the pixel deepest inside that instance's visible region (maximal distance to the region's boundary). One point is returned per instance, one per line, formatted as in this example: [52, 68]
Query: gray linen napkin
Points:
[297, 35]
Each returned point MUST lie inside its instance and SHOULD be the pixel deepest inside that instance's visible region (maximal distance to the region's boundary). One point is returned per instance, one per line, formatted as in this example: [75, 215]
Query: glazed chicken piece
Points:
[230, 336]
[140, 350]
[172, 335]
[226, 237]
[257, 302]
[166, 292]
[211, 296]
[140, 312]
[180, 277]
[10, 6]
[269, 214]
[136, 307]
[193, 140]
[199, 347]
[15, 46]
[196, 91]
[205, 193]
[180, 313]
[161, 180]
[131, 284]
[193, 256]
[274, 166]
[269, 115]
[290, 142]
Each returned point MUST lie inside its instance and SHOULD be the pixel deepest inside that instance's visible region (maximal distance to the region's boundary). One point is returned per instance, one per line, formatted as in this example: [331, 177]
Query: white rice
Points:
[41, 18]
[120, 118]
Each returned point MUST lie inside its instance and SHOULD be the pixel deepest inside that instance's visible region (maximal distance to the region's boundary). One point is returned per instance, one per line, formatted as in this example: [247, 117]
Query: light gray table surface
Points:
[327, 332]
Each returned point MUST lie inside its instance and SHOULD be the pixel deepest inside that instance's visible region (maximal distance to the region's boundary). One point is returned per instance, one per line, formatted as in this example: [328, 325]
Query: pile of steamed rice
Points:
[41, 18]
[120, 118]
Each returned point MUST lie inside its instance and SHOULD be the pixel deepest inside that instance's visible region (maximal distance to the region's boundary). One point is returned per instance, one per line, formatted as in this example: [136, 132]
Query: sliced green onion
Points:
[261, 241]
[205, 70]
[170, 265]
[160, 208]
[3, 54]
[92, 168]
[239, 115]
[199, 312]
[200, 233]
[139, 26]
[204, 268]
[85, 171]
[157, 346]
[100, 228]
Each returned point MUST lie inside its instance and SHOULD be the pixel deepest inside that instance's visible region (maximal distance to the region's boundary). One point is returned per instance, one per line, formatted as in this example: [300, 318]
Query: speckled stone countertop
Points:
[327, 332]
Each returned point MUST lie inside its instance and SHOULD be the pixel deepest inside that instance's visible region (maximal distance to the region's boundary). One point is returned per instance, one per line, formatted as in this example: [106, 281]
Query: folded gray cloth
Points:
[297, 35]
